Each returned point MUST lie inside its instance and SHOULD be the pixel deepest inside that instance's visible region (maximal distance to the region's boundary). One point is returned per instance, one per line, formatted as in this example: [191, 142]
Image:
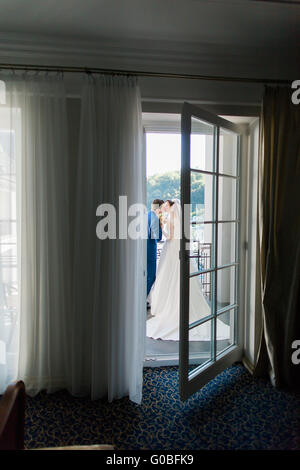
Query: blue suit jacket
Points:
[154, 235]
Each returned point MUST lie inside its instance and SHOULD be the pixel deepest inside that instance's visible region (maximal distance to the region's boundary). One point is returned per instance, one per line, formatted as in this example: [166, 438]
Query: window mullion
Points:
[216, 196]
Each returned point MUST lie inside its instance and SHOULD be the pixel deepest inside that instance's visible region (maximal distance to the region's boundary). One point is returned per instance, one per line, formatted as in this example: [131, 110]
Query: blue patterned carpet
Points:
[234, 411]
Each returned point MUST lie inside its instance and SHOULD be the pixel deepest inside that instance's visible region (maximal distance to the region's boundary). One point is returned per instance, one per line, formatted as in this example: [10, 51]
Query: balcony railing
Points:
[202, 252]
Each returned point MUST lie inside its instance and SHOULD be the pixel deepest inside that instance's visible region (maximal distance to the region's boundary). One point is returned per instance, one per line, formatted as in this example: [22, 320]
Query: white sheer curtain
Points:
[109, 290]
[76, 324]
[36, 168]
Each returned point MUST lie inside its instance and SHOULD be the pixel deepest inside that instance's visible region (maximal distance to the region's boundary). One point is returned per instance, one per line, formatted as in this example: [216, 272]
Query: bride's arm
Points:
[164, 232]
[169, 234]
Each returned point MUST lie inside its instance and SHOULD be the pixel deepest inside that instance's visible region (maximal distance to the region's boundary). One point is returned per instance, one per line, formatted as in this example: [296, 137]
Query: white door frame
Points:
[190, 383]
[152, 125]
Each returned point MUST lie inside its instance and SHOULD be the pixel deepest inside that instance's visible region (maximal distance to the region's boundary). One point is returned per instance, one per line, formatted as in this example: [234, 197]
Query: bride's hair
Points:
[170, 202]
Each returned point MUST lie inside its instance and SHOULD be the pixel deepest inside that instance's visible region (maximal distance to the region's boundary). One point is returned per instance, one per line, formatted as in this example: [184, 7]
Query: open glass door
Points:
[210, 319]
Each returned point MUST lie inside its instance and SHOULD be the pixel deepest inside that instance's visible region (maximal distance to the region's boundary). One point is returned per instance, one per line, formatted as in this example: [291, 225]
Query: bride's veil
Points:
[177, 218]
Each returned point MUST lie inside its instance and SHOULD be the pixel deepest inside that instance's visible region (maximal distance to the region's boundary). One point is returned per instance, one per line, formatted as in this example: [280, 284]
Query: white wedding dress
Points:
[164, 296]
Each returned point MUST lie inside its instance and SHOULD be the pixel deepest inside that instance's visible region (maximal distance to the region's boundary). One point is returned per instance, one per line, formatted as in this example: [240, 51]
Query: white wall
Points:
[252, 300]
[168, 94]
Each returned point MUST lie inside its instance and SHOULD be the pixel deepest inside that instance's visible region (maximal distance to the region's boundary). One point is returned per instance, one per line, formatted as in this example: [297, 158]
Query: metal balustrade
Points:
[202, 251]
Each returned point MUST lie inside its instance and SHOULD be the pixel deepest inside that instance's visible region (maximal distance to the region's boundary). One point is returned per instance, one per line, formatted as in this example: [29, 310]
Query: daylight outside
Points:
[163, 182]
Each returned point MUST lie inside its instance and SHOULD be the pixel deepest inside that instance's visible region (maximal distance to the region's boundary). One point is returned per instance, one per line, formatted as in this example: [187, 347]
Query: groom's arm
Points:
[160, 232]
[155, 228]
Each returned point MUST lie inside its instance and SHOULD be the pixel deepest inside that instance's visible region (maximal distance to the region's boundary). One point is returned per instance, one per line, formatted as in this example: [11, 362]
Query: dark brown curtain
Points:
[280, 237]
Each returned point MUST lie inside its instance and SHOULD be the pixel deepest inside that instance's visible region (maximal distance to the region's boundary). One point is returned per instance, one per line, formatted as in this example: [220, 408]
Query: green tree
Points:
[167, 186]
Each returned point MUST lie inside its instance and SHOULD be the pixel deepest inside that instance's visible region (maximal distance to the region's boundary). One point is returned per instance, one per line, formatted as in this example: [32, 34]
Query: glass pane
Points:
[225, 330]
[8, 231]
[202, 145]
[227, 198]
[226, 287]
[10, 140]
[201, 288]
[200, 345]
[201, 246]
[198, 234]
[202, 201]
[228, 152]
[8, 249]
[226, 243]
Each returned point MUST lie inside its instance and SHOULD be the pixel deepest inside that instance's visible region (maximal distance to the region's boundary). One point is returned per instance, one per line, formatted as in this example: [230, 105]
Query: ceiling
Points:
[226, 22]
[234, 38]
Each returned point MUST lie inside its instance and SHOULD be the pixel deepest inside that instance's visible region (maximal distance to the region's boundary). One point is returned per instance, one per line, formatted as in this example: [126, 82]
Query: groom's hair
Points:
[157, 202]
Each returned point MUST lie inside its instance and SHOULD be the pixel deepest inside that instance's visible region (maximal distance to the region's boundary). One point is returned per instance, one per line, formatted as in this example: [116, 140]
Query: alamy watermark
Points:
[296, 354]
[131, 222]
[296, 94]
[296, 343]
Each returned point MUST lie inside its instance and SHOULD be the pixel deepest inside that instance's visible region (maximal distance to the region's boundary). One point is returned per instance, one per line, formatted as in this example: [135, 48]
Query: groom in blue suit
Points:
[154, 235]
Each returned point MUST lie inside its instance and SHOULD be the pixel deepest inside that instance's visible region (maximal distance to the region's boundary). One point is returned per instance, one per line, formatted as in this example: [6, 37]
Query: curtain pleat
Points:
[280, 237]
[82, 319]
[109, 295]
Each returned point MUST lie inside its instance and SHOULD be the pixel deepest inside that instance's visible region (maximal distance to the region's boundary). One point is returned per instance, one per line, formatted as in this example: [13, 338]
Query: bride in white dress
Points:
[164, 295]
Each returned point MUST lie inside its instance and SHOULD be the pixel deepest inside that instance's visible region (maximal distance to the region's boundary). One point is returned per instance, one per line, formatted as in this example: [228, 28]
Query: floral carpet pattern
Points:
[233, 411]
